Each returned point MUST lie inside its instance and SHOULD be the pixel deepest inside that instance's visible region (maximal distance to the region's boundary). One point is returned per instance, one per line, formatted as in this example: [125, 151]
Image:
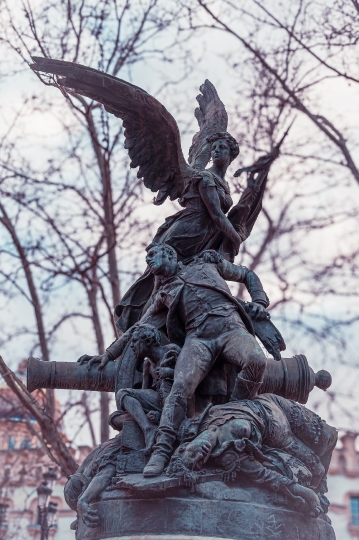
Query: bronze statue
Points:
[193, 386]
[153, 143]
[145, 404]
[201, 315]
[272, 440]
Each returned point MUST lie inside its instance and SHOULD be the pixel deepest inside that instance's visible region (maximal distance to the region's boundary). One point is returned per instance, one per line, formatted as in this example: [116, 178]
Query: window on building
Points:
[26, 443]
[3, 511]
[11, 443]
[354, 510]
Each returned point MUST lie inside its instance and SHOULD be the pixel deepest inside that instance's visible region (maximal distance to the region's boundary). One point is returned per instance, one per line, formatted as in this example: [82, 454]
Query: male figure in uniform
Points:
[145, 404]
[202, 316]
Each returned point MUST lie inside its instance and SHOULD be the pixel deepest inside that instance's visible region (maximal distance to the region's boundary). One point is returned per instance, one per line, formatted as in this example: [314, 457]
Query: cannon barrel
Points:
[291, 378]
[70, 376]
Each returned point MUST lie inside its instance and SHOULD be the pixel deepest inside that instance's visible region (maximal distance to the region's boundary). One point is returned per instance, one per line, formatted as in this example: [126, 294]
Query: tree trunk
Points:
[110, 231]
[104, 398]
[112, 259]
[5, 220]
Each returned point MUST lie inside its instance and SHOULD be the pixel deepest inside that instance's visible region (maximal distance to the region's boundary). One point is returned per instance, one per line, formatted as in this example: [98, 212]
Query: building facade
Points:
[23, 460]
[343, 489]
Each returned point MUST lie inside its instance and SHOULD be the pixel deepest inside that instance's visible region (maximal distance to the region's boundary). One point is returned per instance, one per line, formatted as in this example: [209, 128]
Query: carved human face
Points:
[159, 260]
[221, 152]
[196, 453]
[139, 344]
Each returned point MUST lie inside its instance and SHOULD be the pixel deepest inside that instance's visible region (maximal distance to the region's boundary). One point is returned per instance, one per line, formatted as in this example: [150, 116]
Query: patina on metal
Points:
[213, 437]
[291, 378]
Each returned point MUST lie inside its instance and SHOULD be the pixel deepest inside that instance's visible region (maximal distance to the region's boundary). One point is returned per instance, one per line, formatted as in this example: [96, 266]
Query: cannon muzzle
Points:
[293, 378]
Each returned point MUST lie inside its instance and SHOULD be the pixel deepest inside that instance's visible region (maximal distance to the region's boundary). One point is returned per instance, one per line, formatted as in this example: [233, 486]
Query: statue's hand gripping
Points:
[101, 359]
[169, 359]
[256, 311]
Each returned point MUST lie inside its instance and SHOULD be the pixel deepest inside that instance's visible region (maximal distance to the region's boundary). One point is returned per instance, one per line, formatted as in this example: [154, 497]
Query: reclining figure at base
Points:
[273, 441]
[92, 477]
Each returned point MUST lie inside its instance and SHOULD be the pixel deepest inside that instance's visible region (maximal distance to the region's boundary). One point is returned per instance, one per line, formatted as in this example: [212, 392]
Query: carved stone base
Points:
[214, 510]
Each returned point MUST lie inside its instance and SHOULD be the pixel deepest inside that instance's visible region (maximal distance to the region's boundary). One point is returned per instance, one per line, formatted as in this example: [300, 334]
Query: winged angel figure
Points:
[154, 146]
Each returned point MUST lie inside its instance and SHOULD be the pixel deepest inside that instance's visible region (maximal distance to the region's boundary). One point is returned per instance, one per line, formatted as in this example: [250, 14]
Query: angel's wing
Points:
[212, 118]
[151, 132]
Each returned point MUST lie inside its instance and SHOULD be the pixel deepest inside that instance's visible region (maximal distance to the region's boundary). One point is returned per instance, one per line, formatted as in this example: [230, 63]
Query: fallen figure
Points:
[273, 441]
[92, 477]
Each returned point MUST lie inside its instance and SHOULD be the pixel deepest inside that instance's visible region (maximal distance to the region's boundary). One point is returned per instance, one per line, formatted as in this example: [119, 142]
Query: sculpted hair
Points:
[149, 333]
[231, 141]
[165, 247]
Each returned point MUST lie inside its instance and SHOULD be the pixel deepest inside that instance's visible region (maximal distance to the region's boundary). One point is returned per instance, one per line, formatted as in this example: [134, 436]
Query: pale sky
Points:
[335, 98]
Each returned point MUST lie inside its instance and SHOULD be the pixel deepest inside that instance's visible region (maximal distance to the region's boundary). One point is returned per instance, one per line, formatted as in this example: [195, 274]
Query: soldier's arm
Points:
[262, 475]
[239, 274]
[154, 308]
[112, 352]
[98, 484]
[118, 346]
[254, 287]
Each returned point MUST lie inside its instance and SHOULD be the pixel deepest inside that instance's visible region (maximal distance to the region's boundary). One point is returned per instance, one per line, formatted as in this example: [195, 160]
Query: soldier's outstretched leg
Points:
[241, 349]
[174, 413]
[194, 362]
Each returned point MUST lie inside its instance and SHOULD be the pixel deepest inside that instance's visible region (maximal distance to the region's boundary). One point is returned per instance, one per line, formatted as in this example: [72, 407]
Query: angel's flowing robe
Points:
[190, 232]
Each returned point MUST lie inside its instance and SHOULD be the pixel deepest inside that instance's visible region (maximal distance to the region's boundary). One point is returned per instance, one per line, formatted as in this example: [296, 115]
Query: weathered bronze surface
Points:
[291, 378]
[213, 439]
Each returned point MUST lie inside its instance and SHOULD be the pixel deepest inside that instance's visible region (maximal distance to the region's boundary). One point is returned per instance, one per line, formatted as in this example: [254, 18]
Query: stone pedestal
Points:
[214, 510]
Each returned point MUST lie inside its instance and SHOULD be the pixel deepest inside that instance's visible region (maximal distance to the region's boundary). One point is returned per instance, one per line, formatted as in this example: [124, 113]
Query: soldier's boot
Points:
[244, 389]
[173, 414]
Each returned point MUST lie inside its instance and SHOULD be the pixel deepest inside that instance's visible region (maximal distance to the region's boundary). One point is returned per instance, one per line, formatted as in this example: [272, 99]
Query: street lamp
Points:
[47, 510]
[50, 477]
[51, 514]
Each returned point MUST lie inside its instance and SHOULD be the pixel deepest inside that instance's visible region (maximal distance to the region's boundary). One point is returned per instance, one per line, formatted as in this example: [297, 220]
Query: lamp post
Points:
[51, 514]
[50, 477]
[47, 511]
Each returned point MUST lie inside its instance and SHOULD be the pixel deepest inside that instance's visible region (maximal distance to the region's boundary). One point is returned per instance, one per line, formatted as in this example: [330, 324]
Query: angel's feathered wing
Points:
[212, 118]
[151, 132]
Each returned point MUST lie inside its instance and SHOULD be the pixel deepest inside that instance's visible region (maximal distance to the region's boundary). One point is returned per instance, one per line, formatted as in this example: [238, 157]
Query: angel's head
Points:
[224, 148]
